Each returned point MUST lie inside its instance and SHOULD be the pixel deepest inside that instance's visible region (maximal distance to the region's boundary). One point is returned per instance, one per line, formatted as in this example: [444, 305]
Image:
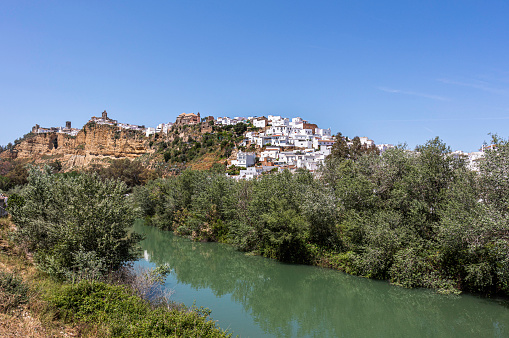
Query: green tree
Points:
[340, 148]
[75, 226]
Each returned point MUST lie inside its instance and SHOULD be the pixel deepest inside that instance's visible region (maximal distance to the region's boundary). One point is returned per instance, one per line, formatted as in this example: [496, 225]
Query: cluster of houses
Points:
[285, 144]
[64, 130]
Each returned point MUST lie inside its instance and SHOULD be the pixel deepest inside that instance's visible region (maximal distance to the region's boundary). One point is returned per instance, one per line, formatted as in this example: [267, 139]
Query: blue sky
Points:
[395, 71]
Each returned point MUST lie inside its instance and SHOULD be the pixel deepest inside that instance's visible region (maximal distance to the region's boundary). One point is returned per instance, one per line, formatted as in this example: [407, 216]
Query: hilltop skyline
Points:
[395, 72]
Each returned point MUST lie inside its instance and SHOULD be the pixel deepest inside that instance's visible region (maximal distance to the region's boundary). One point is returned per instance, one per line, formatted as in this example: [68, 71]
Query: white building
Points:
[260, 122]
[244, 159]
[263, 140]
[318, 143]
[150, 131]
[164, 127]
[300, 131]
[384, 147]
[270, 152]
[280, 129]
[281, 122]
[302, 142]
[365, 141]
[280, 141]
[323, 132]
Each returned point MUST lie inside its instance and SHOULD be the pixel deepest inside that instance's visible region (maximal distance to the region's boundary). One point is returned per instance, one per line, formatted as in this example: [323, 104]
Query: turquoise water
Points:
[257, 297]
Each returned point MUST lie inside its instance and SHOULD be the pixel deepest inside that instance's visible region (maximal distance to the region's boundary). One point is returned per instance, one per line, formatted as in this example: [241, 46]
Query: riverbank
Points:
[417, 219]
[34, 305]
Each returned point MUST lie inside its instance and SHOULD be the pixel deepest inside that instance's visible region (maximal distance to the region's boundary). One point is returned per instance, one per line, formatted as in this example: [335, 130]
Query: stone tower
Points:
[68, 124]
[105, 115]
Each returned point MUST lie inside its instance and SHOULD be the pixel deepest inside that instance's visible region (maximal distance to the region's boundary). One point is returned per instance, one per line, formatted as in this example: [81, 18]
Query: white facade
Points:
[164, 127]
[384, 147]
[270, 152]
[244, 159]
[318, 143]
[281, 122]
[323, 132]
[150, 131]
[302, 143]
[365, 141]
[280, 141]
[260, 123]
[282, 129]
[263, 140]
[253, 172]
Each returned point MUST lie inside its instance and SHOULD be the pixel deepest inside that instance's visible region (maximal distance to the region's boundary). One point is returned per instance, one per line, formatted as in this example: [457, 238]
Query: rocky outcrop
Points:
[93, 142]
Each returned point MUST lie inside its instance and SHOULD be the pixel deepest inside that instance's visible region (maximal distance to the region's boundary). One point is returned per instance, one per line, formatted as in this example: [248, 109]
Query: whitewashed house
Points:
[164, 127]
[323, 133]
[263, 140]
[270, 152]
[365, 141]
[244, 159]
[318, 143]
[383, 147]
[280, 141]
[150, 131]
[260, 122]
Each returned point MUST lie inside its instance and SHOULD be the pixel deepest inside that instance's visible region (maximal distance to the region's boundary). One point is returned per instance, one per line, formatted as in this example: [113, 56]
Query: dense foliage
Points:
[419, 219]
[132, 173]
[181, 148]
[76, 225]
[11, 175]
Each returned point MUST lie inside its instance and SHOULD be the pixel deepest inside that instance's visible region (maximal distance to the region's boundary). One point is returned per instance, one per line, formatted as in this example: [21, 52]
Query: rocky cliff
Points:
[93, 142]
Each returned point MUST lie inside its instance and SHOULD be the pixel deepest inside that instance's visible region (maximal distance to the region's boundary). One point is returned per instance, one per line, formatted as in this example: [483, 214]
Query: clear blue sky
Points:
[395, 71]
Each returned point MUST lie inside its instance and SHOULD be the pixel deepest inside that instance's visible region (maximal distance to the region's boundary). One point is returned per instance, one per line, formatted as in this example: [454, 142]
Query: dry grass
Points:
[204, 162]
[33, 319]
[25, 324]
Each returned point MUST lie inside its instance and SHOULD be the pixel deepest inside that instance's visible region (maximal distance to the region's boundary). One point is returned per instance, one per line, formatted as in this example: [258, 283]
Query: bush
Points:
[123, 314]
[13, 292]
[77, 227]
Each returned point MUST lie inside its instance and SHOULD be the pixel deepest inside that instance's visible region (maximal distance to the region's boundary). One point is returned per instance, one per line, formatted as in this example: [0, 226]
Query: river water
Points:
[257, 297]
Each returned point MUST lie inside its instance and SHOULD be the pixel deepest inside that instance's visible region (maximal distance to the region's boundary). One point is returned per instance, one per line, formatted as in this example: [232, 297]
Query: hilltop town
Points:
[263, 144]
[255, 145]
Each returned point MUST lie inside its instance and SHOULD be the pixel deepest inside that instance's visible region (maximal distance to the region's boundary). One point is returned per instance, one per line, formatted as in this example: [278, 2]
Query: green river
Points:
[257, 297]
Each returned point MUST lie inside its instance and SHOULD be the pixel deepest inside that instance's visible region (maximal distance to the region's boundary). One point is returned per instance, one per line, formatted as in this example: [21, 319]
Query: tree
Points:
[12, 175]
[74, 224]
[240, 128]
[340, 147]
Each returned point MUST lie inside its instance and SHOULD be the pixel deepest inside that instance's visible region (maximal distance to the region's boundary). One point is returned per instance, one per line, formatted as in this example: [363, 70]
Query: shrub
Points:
[13, 292]
[123, 314]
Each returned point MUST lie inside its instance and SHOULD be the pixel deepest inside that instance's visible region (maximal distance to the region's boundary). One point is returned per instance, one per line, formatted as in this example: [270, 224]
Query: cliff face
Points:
[92, 142]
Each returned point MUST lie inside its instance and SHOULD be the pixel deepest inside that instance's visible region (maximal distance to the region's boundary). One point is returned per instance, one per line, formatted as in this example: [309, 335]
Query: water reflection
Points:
[297, 301]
